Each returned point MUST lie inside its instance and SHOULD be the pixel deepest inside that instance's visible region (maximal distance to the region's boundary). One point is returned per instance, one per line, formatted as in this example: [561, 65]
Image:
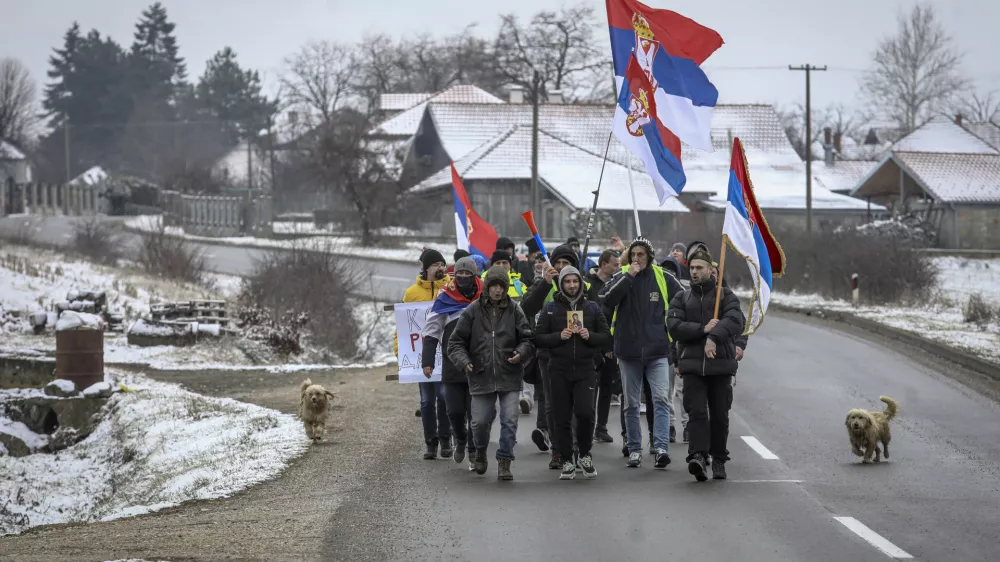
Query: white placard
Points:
[409, 328]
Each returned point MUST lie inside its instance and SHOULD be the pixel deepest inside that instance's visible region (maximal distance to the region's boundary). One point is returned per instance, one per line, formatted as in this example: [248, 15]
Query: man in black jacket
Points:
[707, 361]
[573, 348]
[489, 343]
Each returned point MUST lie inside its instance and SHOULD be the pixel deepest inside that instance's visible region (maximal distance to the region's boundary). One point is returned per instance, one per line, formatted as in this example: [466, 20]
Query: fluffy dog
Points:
[313, 408]
[866, 429]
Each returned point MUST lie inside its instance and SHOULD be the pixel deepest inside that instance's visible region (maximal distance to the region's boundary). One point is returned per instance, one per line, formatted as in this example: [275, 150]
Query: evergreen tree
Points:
[233, 96]
[158, 67]
[63, 62]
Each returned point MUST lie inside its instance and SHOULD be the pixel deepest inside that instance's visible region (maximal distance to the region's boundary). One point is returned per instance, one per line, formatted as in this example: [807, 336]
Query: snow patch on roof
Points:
[93, 176]
[843, 176]
[407, 122]
[10, 152]
[956, 178]
[989, 132]
[400, 102]
[942, 135]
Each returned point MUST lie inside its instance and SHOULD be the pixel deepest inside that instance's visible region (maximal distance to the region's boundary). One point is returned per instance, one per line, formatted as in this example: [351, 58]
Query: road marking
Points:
[873, 538]
[767, 481]
[760, 448]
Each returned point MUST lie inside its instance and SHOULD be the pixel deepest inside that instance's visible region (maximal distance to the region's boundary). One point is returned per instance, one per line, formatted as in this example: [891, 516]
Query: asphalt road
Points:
[799, 494]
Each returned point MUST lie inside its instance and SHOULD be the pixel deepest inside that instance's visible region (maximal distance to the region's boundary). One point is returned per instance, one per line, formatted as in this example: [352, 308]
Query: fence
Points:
[49, 199]
[217, 216]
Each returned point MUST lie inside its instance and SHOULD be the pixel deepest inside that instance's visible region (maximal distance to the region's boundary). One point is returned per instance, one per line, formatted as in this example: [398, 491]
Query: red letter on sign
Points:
[413, 341]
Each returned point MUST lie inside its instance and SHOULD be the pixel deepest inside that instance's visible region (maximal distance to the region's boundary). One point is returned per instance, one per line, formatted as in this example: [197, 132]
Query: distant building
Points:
[14, 164]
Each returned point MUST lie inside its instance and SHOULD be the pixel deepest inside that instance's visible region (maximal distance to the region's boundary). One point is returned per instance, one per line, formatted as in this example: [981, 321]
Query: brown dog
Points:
[313, 408]
[866, 429]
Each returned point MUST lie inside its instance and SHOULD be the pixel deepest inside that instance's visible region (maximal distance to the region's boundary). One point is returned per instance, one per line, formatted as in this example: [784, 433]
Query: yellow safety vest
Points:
[516, 288]
[661, 283]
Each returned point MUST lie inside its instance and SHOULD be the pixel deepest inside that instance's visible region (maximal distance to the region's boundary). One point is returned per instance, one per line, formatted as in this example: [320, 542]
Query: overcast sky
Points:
[758, 33]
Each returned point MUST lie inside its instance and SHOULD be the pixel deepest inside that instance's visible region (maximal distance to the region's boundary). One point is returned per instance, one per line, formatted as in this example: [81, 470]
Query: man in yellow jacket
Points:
[433, 412]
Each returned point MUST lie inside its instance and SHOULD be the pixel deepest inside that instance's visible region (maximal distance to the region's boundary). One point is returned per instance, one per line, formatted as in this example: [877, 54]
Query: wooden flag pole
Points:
[722, 268]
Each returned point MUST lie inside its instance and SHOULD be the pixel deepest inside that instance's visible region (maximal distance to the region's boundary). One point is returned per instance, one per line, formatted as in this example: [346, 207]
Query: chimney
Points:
[838, 144]
[556, 96]
[827, 147]
[958, 118]
[826, 135]
[516, 93]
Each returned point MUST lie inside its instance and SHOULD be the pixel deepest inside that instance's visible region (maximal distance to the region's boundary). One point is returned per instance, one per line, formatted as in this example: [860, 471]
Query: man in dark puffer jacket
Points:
[489, 343]
[707, 361]
[573, 349]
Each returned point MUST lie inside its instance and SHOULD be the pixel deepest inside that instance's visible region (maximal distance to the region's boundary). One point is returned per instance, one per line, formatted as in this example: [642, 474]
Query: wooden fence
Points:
[49, 199]
[215, 215]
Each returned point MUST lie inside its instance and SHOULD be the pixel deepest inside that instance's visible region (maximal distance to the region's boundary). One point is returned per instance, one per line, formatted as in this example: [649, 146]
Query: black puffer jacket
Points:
[487, 335]
[574, 358]
[690, 311]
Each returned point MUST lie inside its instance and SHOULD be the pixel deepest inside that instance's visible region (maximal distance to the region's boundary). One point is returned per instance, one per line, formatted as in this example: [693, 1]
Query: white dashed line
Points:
[873, 538]
[760, 448]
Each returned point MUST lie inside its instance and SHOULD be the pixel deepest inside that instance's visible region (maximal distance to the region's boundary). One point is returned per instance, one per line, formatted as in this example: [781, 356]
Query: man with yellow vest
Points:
[502, 258]
[433, 410]
[640, 296]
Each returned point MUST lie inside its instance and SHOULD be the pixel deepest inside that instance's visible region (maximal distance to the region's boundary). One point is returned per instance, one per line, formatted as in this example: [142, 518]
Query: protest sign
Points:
[409, 326]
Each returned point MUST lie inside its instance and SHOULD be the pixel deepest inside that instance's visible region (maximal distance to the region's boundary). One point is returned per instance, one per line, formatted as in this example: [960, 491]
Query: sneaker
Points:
[673, 434]
[718, 469]
[634, 460]
[555, 463]
[431, 453]
[568, 471]
[685, 435]
[481, 463]
[696, 466]
[541, 440]
[601, 435]
[587, 462]
[503, 470]
[525, 405]
[446, 450]
[459, 451]
[662, 459]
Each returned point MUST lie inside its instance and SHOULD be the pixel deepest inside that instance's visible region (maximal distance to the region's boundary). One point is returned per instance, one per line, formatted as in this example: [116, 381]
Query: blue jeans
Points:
[484, 411]
[434, 413]
[657, 373]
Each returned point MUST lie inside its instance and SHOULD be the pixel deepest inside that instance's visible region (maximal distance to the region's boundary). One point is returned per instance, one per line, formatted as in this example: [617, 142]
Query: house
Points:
[950, 174]
[14, 164]
[490, 144]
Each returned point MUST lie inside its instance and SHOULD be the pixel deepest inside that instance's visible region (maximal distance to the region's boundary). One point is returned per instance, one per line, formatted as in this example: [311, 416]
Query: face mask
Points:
[466, 286]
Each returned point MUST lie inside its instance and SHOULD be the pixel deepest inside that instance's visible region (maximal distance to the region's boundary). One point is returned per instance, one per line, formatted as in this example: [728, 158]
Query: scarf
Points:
[450, 300]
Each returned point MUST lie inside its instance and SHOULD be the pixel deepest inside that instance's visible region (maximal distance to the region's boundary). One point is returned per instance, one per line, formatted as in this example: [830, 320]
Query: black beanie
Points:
[532, 246]
[429, 258]
[500, 255]
[460, 253]
[503, 243]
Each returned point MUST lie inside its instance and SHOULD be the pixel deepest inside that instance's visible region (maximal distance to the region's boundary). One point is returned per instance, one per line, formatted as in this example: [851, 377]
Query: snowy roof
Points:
[843, 175]
[10, 152]
[405, 124]
[989, 132]
[93, 176]
[399, 102]
[782, 189]
[570, 172]
[956, 178]
[464, 127]
[942, 135]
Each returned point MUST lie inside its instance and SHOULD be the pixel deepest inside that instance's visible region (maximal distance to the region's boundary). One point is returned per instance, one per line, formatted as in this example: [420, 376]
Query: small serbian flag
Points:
[670, 49]
[637, 127]
[749, 236]
[475, 235]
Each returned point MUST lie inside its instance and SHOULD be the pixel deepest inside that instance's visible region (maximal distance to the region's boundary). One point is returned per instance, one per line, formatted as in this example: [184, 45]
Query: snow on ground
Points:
[959, 278]
[160, 445]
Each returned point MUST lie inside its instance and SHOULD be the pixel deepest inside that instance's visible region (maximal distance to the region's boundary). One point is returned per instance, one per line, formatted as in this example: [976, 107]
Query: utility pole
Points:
[536, 198]
[69, 176]
[808, 68]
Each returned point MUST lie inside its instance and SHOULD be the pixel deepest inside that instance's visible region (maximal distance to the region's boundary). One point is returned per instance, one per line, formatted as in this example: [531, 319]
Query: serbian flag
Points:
[637, 127]
[670, 49]
[475, 235]
[749, 236]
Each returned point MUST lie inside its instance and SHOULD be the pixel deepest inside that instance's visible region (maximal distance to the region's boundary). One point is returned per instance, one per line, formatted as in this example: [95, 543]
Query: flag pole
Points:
[631, 188]
[597, 193]
[722, 269]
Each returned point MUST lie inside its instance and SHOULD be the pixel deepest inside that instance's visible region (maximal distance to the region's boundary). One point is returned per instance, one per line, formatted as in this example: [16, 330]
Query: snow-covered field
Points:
[959, 278]
[159, 445]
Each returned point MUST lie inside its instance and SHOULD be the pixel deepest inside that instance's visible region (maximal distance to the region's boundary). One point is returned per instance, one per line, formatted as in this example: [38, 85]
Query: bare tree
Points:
[835, 116]
[17, 101]
[916, 71]
[320, 80]
[977, 108]
[559, 46]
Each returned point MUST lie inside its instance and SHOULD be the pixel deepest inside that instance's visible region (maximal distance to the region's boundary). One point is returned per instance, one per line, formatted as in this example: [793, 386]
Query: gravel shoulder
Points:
[284, 519]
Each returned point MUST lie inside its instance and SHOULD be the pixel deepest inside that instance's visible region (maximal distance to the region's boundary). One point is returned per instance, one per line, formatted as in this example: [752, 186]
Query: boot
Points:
[601, 435]
[556, 462]
[459, 451]
[696, 467]
[481, 463]
[718, 469]
[432, 451]
[446, 449]
[503, 470]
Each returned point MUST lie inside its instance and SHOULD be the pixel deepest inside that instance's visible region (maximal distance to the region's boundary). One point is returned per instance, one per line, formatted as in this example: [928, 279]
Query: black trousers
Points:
[605, 380]
[573, 399]
[647, 398]
[459, 404]
[707, 400]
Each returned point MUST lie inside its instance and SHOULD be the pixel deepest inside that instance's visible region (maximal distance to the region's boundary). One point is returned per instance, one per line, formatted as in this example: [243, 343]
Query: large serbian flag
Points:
[475, 235]
[748, 235]
[670, 49]
[637, 127]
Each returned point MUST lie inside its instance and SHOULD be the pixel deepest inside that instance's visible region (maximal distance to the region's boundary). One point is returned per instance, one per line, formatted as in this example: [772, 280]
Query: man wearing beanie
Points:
[573, 347]
[639, 296]
[679, 252]
[433, 411]
[503, 259]
[441, 320]
[489, 343]
[459, 254]
[708, 362]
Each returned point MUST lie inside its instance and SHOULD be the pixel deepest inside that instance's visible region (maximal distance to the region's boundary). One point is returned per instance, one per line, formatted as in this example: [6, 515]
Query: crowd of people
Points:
[520, 333]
